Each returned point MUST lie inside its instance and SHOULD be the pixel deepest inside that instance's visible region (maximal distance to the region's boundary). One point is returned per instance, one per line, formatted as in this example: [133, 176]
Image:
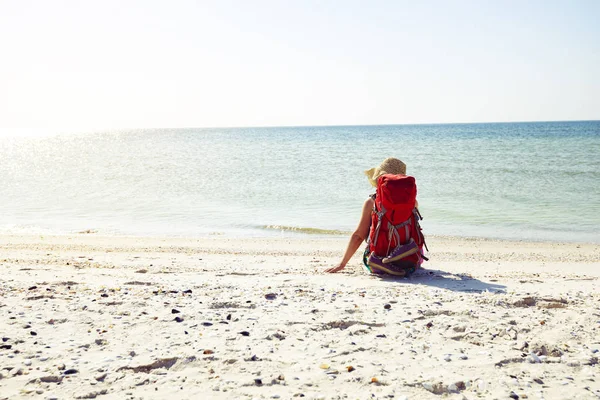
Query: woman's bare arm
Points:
[359, 235]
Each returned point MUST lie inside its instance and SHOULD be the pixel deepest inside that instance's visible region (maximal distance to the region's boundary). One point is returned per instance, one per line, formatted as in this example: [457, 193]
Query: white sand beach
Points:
[84, 317]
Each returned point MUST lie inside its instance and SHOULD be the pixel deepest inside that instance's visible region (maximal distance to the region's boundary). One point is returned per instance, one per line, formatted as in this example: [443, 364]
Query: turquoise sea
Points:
[538, 180]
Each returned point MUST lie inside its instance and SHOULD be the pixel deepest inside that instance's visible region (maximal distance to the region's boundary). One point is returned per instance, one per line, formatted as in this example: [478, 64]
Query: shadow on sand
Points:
[448, 280]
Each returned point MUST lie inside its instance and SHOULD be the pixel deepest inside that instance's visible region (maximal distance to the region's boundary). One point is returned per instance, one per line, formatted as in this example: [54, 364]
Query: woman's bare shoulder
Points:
[369, 204]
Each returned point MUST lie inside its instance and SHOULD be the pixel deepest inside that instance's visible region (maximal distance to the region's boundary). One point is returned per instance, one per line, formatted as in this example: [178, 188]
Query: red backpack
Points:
[395, 219]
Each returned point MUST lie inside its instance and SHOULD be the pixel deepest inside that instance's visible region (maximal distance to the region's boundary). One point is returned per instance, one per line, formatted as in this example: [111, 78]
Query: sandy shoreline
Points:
[97, 317]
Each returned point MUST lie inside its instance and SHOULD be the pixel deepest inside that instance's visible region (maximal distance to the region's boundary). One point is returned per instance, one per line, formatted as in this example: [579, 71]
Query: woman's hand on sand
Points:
[335, 269]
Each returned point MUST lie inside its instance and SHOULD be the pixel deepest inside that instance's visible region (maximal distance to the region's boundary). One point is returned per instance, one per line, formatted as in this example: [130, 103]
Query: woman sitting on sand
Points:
[388, 166]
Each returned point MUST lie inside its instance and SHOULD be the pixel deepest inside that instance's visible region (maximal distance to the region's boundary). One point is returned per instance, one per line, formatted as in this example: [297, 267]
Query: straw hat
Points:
[388, 166]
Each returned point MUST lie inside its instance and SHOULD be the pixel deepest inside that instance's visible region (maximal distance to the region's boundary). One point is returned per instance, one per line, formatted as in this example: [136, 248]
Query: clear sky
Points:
[83, 65]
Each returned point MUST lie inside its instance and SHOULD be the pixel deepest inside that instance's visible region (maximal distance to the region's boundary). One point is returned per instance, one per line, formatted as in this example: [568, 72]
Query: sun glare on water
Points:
[14, 133]
[39, 133]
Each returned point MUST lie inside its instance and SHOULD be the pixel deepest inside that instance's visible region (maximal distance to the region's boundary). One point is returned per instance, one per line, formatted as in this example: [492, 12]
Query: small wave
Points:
[309, 231]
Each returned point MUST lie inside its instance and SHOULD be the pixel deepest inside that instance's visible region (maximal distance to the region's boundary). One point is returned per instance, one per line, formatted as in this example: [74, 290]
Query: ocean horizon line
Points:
[374, 125]
[67, 131]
